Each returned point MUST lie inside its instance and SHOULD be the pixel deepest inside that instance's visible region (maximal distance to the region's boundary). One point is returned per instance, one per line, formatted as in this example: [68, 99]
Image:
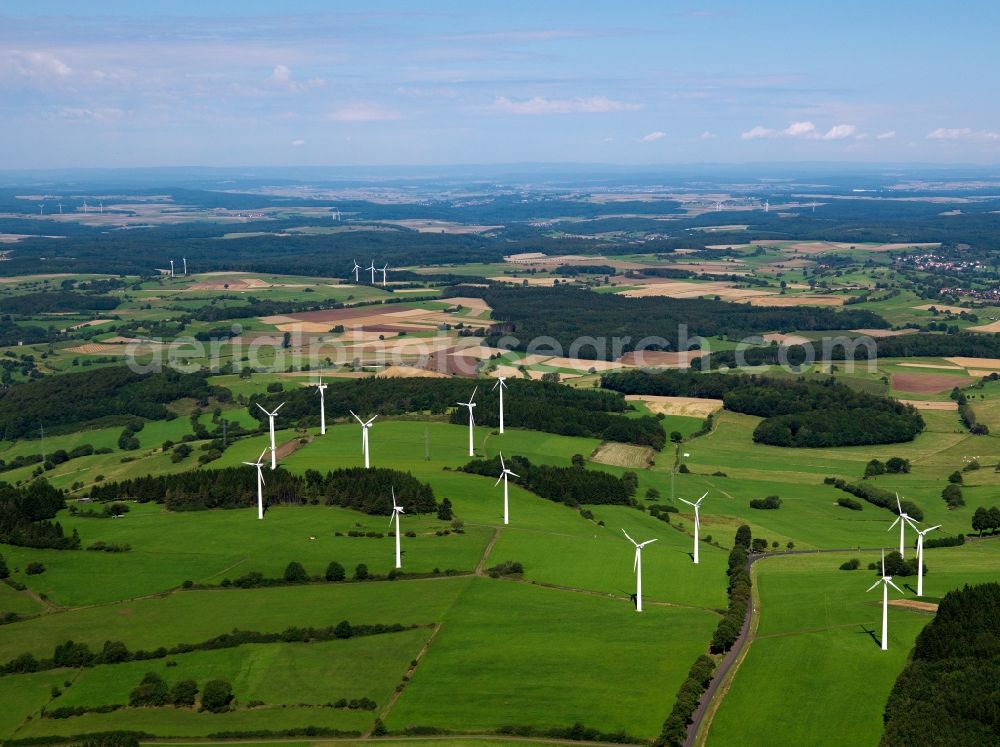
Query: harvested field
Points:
[692, 407]
[476, 304]
[937, 366]
[783, 339]
[783, 301]
[580, 364]
[91, 323]
[97, 348]
[991, 327]
[927, 384]
[233, 284]
[542, 282]
[687, 289]
[409, 372]
[922, 404]
[914, 604]
[982, 371]
[439, 226]
[623, 455]
[883, 332]
[660, 358]
[975, 362]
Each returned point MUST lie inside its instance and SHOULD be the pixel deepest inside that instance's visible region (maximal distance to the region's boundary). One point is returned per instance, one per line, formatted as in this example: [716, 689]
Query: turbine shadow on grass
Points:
[874, 637]
[910, 589]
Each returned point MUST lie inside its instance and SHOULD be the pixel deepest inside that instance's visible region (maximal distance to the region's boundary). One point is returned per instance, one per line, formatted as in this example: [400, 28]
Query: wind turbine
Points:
[364, 434]
[372, 268]
[637, 567]
[270, 420]
[396, 511]
[920, 558]
[41, 209]
[501, 382]
[503, 476]
[472, 423]
[185, 266]
[321, 388]
[355, 270]
[886, 582]
[384, 268]
[903, 519]
[171, 268]
[767, 206]
[259, 464]
[697, 522]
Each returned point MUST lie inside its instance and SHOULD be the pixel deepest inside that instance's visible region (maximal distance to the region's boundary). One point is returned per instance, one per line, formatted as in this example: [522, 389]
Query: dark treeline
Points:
[915, 345]
[876, 496]
[79, 398]
[568, 314]
[796, 413]
[26, 515]
[47, 302]
[12, 333]
[569, 485]
[947, 695]
[535, 405]
[368, 491]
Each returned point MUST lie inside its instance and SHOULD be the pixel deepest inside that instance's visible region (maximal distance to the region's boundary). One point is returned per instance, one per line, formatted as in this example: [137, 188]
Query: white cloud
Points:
[39, 65]
[282, 77]
[540, 105]
[652, 137]
[281, 74]
[363, 111]
[706, 135]
[100, 114]
[757, 132]
[886, 135]
[803, 131]
[297, 143]
[961, 133]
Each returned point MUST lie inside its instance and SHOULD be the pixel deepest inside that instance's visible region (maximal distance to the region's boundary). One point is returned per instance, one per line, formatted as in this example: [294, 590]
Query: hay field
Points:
[623, 455]
[803, 300]
[692, 407]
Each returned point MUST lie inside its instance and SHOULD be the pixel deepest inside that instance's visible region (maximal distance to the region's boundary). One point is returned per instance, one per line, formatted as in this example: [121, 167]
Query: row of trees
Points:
[570, 485]
[368, 491]
[797, 413]
[536, 405]
[568, 314]
[75, 399]
[986, 520]
[947, 693]
[52, 302]
[876, 496]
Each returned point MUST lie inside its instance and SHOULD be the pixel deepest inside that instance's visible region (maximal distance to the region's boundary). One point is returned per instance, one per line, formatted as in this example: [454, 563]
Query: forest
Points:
[368, 491]
[26, 515]
[526, 313]
[76, 399]
[51, 302]
[535, 405]
[570, 485]
[796, 413]
[947, 694]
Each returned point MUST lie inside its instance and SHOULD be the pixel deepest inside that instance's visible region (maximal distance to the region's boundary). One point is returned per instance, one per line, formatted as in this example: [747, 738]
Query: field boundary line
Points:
[480, 568]
[407, 677]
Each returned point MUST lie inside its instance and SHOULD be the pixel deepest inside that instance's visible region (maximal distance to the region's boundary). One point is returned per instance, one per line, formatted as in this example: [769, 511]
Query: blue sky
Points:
[228, 83]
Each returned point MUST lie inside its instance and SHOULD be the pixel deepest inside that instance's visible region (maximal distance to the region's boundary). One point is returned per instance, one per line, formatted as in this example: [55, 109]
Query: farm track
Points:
[384, 714]
[701, 719]
[478, 736]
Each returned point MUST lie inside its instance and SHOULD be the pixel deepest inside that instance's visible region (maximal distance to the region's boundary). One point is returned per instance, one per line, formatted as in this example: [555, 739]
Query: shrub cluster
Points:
[771, 502]
[876, 496]
[986, 520]
[728, 629]
[675, 728]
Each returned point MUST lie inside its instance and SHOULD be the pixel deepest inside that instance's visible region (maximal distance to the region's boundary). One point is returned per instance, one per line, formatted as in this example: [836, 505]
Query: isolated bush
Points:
[771, 502]
[874, 467]
[850, 565]
[295, 573]
[183, 693]
[335, 571]
[952, 495]
[34, 568]
[361, 572]
[444, 512]
[152, 691]
[849, 503]
[955, 478]
[216, 696]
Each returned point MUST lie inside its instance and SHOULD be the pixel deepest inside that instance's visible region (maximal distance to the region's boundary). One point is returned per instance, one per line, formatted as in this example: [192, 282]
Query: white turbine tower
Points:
[637, 567]
[365, 425]
[270, 422]
[355, 270]
[372, 268]
[920, 558]
[697, 522]
[502, 384]
[903, 519]
[472, 422]
[503, 476]
[886, 582]
[383, 271]
[321, 388]
[259, 464]
[171, 268]
[184, 259]
[396, 511]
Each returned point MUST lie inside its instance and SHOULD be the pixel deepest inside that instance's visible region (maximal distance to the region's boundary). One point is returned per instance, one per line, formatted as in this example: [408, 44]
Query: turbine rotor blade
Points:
[630, 539]
[498, 481]
[874, 585]
[889, 581]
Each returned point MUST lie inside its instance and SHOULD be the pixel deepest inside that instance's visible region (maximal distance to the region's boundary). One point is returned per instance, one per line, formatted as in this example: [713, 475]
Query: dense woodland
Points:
[368, 491]
[796, 413]
[526, 313]
[536, 405]
[26, 515]
[50, 302]
[569, 485]
[75, 399]
[947, 695]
